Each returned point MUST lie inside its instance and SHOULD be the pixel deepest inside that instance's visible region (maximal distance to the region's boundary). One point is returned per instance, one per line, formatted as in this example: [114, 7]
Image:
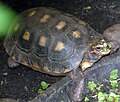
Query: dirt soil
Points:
[22, 82]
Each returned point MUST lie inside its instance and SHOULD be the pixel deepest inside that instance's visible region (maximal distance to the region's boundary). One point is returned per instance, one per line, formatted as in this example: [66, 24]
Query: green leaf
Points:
[114, 74]
[87, 8]
[92, 86]
[102, 96]
[86, 99]
[2, 82]
[118, 96]
[99, 87]
[115, 90]
[117, 100]
[114, 83]
[112, 96]
[44, 85]
[5, 73]
[40, 91]
[110, 99]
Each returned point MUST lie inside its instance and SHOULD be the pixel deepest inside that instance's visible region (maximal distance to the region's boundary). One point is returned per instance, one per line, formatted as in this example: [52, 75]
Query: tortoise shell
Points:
[49, 40]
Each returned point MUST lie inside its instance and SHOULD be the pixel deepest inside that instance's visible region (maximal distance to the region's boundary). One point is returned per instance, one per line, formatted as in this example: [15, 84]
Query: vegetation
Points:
[98, 93]
[43, 87]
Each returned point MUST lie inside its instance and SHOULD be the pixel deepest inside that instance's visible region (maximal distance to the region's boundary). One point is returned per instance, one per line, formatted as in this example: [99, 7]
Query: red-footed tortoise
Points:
[56, 43]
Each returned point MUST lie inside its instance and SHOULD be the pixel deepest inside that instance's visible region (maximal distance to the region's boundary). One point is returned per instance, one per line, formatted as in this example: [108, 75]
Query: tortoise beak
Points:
[106, 50]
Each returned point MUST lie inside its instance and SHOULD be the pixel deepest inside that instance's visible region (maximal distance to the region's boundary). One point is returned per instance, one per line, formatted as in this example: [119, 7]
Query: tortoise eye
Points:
[98, 48]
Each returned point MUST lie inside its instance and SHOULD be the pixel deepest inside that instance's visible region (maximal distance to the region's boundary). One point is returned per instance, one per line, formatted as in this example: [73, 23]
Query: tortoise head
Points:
[100, 48]
[95, 52]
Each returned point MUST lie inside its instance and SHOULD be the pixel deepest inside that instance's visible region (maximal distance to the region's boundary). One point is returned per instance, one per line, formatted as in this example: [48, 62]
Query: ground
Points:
[22, 82]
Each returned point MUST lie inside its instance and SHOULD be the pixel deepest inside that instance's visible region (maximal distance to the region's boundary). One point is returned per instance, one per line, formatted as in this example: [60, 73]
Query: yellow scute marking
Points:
[32, 13]
[56, 72]
[45, 18]
[26, 35]
[42, 41]
[36, 66]
[59, 46]
[45, 69]
[76, 34]
[24, 63]
[61, 25]
[66, 70]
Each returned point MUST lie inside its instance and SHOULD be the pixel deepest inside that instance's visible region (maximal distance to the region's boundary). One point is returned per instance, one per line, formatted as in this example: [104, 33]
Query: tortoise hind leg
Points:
[12, 63]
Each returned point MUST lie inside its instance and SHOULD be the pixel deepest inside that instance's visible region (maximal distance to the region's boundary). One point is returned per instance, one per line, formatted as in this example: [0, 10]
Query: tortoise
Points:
[56, 43]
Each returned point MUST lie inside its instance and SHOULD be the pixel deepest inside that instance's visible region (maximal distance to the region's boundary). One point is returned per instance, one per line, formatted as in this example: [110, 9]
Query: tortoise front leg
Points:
[12, 63]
